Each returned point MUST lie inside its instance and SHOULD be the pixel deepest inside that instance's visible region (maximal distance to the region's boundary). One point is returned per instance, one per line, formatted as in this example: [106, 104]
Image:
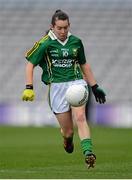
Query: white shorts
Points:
[57, 91]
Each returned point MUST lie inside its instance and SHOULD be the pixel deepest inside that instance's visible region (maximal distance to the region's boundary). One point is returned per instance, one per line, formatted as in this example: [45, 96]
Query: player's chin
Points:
[63, 38]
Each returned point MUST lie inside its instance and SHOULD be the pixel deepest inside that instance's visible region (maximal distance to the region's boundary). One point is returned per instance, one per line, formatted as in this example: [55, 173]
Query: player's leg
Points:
[61, 109]
[66, 125]
[84, 134]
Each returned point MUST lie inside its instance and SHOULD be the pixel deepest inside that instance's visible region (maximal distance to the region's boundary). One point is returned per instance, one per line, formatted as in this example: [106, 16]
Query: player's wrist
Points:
[94, 87]
[29, 86]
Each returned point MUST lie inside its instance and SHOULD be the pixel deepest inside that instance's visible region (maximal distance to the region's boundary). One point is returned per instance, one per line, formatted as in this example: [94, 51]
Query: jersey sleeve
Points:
[81, 54]
[35, 54]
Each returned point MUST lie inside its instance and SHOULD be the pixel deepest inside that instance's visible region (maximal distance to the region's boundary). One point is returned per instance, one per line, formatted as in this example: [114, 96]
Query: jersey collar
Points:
[53, 37]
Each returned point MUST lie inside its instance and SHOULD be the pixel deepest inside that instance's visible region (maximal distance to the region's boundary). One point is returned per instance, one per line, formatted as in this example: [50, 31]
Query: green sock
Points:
[86, 145]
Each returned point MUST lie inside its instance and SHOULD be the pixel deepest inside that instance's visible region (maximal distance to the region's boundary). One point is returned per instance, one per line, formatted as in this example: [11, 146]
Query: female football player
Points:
[62, 59]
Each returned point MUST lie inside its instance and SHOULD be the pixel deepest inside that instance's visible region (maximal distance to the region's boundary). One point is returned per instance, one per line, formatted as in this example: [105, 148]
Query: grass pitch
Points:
[33, 153]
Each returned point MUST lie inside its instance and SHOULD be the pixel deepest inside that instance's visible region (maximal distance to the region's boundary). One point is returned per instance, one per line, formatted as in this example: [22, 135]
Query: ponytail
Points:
[59, 15]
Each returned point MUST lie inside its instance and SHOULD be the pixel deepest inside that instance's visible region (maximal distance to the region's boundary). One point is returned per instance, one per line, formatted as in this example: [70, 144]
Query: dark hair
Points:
[59, 15]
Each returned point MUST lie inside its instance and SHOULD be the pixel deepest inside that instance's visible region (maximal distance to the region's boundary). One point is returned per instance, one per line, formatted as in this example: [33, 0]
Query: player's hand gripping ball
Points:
[77, 95]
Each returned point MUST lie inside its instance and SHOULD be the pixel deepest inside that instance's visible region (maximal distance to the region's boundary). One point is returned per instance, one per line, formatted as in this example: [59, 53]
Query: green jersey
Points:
[59, 61]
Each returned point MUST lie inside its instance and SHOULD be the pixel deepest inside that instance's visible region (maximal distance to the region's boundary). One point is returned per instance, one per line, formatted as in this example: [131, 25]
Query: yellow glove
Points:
[28, 95]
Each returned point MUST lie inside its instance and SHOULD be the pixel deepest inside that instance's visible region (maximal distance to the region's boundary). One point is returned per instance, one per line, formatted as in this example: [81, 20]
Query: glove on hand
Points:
[28, 94]
[99, 94]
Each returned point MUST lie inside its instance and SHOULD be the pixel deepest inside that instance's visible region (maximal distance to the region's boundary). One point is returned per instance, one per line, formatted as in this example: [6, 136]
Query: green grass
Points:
[33, 153]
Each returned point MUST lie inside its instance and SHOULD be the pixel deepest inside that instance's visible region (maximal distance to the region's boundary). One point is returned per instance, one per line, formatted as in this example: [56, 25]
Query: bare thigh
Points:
[81, 122]
[79, 113]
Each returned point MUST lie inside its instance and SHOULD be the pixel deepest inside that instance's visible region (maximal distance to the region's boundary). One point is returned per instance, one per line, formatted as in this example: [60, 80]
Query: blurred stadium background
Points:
[105, 26]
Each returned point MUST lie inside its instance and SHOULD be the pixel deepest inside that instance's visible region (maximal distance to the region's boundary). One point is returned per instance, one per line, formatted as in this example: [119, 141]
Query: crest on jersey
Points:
[74, 52]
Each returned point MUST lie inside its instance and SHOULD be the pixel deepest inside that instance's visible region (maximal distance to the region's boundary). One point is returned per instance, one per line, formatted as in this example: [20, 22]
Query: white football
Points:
[77, 95]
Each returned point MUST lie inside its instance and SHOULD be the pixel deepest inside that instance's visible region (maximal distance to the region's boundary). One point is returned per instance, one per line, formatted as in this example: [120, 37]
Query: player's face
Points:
[61, 29]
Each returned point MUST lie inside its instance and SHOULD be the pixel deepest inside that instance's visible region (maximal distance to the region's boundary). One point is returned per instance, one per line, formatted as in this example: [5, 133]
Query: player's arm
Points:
[29, 73]
[88, 74]
[34, 57]
[28, 93]
[90, 79]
